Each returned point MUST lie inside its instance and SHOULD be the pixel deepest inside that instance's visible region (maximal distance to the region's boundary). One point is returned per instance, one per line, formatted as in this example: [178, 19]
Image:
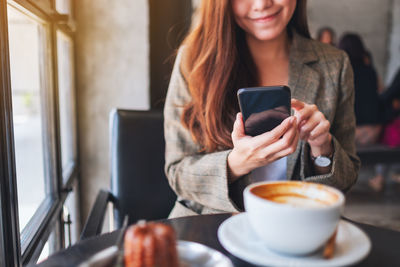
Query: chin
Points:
[267, 36]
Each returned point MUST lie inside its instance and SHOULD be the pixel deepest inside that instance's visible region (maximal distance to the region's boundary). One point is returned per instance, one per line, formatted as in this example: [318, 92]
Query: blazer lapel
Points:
[303, 82]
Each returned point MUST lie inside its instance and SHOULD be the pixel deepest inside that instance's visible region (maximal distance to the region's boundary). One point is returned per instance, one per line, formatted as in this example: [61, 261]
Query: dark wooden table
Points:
[385, 249]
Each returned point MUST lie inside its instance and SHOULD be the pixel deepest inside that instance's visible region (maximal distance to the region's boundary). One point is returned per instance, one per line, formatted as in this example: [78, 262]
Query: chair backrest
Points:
[138, 180]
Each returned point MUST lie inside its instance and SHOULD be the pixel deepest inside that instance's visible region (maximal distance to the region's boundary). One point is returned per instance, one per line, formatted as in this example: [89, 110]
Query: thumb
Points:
[238, 128]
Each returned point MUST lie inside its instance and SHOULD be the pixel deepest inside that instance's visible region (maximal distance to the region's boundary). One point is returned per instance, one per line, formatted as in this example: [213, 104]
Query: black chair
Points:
[378, 153]
[139, 188]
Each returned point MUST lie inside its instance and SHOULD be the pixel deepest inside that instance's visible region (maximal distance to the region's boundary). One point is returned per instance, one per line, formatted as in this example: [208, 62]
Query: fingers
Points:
[306, 127]
[287, 143]
[260, 150]
[238, 128]
[320, 129]
[305, 113]
[276, 133]
[297, 104]
[321, 140]
[287, 151]
[312, 122]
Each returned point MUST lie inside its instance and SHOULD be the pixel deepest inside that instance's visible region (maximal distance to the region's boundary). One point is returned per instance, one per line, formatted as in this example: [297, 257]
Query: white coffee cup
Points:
[293, 217]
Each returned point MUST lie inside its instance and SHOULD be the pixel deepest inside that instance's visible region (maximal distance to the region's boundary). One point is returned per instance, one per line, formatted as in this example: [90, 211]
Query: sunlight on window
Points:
[47, 249]
[25, 46]
[66, 100]
[63, 6]
[45, 253]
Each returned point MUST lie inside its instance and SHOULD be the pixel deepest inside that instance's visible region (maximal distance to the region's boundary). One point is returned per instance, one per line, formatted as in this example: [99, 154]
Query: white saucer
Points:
[192, 254]
[352, 245]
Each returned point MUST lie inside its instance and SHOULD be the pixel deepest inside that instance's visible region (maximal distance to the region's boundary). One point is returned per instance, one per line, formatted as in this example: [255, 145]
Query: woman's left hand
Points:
[313, 127]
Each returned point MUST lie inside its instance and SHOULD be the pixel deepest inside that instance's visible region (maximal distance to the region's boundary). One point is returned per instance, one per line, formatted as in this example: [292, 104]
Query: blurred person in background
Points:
[391, 99]
[367, 105]
[369, 62]
[326, 35]
[391, 133]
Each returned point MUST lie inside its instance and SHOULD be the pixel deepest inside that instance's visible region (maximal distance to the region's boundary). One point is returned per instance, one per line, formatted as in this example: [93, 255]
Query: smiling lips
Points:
[266, 18]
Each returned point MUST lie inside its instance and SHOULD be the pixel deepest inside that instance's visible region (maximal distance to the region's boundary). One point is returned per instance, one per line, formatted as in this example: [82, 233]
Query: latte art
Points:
[296, 194]
[297, 200]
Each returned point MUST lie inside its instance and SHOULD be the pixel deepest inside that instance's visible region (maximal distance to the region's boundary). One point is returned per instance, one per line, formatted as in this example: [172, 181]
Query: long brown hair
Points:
[216, 64]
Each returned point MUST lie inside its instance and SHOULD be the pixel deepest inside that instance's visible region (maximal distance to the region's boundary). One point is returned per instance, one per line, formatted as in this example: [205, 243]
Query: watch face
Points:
[322, 161]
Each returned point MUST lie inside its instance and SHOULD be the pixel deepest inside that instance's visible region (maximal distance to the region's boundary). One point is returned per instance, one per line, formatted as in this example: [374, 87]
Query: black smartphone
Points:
[263, 108]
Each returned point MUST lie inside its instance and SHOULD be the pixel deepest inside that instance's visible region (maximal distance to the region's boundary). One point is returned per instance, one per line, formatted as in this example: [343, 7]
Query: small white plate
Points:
[192, 254]
[352, 245]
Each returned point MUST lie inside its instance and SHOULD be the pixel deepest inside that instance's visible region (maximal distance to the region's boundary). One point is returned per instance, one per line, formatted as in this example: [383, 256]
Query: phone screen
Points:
[263, 108]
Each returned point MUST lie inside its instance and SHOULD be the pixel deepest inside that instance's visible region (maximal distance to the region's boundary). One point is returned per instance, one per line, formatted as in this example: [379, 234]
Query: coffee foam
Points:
[299, 194]
[297, 200]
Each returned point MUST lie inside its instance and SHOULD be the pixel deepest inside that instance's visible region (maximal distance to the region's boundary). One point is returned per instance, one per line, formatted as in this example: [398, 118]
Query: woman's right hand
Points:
[249, 152]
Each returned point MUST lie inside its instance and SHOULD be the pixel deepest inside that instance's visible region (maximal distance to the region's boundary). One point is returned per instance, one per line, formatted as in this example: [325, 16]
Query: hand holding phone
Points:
[263, 108]
[264, 131]
[249, 152]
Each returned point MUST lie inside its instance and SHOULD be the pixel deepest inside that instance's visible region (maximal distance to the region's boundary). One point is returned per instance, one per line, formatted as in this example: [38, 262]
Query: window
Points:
[66, 98]
[47, 248]
[71, 217]
[26, 45]
[38, 141]
[63, 6]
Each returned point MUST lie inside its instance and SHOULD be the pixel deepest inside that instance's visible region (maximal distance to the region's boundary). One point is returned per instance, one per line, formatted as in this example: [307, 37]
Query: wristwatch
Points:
[322, 161]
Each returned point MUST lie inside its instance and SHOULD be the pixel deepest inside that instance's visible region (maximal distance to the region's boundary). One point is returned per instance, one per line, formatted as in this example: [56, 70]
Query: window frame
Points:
[9, 234]
[68, 174]
[25, 247]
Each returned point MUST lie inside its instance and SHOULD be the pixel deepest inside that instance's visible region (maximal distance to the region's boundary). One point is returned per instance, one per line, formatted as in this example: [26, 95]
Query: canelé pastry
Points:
[150, 245]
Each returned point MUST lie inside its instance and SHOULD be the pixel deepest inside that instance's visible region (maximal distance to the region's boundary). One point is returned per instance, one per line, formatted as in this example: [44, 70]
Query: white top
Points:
[271, 172]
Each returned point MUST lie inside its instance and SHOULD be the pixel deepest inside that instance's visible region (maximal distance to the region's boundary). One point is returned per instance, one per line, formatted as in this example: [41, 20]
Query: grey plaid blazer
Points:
[318, 74]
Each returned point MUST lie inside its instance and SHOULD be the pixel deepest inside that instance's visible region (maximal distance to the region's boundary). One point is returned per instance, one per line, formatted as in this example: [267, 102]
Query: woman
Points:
[242, 43]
